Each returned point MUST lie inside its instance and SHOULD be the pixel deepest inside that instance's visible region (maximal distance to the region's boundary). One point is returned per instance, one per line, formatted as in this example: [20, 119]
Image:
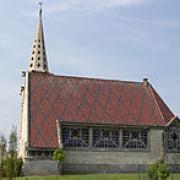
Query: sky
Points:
[110, 39]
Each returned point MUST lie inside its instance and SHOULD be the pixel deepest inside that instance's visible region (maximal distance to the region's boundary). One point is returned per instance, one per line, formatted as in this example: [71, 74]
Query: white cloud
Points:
[90, 4]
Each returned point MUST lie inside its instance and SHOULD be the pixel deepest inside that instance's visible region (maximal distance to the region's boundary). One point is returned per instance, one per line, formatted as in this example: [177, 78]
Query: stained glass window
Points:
[75, 137]
[135, 139]
[173, 138]
[105, 138]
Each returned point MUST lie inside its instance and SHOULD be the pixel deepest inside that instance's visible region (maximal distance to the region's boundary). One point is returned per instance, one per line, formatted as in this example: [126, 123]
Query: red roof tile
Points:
[92, 101]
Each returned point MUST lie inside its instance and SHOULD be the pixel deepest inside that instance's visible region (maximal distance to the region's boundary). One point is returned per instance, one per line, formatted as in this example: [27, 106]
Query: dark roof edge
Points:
[85, 78]
[107, 124]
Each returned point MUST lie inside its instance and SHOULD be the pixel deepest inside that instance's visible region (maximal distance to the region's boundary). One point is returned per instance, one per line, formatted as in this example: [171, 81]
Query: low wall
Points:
[40, 167]
[49, 167]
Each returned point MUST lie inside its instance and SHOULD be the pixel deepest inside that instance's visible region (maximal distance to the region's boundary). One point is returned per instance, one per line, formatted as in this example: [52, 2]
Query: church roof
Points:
[89, 101]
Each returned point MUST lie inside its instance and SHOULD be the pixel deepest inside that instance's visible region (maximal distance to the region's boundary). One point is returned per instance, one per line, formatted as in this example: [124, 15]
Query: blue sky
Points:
[116, 39]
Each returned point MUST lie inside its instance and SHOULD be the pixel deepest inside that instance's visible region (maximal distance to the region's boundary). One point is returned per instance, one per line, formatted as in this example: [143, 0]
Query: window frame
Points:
[96, 149]
[147, 148]
[168, 137]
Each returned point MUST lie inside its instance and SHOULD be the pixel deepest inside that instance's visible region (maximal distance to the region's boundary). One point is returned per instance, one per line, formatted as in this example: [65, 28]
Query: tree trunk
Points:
[60, 169]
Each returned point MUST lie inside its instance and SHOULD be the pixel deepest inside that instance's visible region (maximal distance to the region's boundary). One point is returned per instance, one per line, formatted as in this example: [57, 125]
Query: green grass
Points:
[97, 177]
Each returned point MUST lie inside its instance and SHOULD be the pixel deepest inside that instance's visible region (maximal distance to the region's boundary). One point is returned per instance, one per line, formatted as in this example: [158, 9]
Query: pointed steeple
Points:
[38, 60]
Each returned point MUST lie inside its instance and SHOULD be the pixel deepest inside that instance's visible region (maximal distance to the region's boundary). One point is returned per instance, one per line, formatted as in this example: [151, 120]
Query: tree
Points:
[2, 154]
[10, 165]
[60, 157]
[12, 151]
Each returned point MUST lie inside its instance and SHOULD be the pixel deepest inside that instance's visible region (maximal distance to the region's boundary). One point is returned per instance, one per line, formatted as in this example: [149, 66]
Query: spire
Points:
[38, 60]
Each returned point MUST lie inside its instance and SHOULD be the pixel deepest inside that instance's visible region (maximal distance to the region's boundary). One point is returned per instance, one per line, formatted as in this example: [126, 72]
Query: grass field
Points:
[97, 177]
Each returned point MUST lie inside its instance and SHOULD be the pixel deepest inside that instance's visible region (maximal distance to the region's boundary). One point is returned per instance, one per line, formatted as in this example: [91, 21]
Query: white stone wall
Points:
[24, 119]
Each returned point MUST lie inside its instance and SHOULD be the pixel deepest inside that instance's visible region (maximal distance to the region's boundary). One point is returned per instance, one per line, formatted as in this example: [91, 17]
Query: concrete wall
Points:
[102, 161]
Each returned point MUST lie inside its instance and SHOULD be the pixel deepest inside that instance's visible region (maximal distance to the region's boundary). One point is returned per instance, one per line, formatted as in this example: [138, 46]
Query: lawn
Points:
[97, 177]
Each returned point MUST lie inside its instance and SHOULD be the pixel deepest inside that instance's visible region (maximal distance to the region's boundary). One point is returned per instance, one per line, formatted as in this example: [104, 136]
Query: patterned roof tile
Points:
[92, 101]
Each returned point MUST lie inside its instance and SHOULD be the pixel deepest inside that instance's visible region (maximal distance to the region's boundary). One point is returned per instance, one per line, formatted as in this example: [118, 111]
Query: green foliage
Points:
[13, 167]
[2, 155]
[13, 143]
[158, 170]
[9, 167]
[153, 171]
[163, 172]
[18, 167]
[59, 155]
[2, 168]
[2, 146]
[12, 154]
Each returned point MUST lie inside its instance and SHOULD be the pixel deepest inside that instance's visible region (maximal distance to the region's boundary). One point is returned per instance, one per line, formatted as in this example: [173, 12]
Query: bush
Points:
[13, 167]
[163, 171]
[9, 167]
[18, 167]
[153, 171]
[60, 157]
[2, 168]
[158, 170]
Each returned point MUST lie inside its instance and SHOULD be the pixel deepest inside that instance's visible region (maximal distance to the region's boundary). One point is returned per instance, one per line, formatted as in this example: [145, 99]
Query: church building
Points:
[104, 126]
